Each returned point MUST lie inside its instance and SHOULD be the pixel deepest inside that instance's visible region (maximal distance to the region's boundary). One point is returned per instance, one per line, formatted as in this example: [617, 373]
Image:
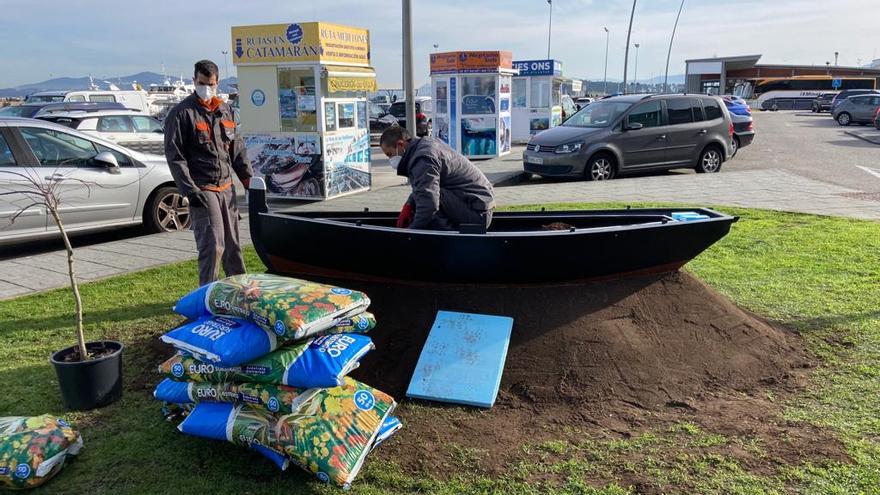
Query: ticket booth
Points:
[303, 97]
[471, 92]
[537, 92]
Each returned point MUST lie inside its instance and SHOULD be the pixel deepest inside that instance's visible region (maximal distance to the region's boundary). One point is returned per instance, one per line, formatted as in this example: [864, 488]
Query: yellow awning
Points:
[341, 78]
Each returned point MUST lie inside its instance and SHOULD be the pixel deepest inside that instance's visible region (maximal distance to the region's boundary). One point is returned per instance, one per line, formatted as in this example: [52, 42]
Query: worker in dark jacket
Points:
[203, 150]
[447, 189]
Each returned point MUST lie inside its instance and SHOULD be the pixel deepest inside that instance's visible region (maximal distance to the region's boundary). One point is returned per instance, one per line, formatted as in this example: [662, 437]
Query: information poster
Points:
[442, 126]
[289, 162]
[287, 103]
[478, 95]
[504, 133]
[479, 137]
[362, 115]
[346, 115]
[347, 162]
[330, 116]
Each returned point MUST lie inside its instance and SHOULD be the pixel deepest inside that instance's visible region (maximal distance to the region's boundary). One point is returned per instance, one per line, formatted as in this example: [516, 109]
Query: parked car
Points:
[34, 110]
[568, 107]
[132, 187]
[633, 133]
[743, 132]
[846, 93]
[737, 107]
[424, 108]
[130, 98]
[858, 109]
[127, 128]
[822, 103]
[583, 101]
[379, 121]
[737, 99]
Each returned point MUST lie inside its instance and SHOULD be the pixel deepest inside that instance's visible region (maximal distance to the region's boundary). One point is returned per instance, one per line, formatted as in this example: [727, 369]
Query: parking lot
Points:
[812, 147]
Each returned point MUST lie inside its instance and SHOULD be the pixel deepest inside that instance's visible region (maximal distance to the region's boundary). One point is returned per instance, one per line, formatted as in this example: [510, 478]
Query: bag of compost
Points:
[33, 450]
[330, 436]
[233, 341]
[315, 363]
[277, 399]
[291, 308]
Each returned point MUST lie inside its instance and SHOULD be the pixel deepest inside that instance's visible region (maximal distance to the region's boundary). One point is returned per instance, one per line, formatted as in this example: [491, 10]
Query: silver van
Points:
[633, 133]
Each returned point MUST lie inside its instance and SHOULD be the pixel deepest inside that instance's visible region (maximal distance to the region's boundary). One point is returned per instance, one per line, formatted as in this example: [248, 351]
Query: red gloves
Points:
[246, 183]
[407, 214]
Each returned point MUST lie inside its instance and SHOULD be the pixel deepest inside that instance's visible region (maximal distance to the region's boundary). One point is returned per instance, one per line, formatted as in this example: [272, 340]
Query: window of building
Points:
[297, 101]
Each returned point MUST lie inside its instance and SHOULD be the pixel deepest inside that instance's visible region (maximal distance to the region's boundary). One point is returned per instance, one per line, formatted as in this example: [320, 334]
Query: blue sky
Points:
[108, 38]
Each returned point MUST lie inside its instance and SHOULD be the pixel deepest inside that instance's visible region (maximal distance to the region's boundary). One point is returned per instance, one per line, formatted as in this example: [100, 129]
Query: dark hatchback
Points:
[823, 102]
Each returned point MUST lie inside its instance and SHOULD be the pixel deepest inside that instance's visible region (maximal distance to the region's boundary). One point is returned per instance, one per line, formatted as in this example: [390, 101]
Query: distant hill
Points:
[74, 83]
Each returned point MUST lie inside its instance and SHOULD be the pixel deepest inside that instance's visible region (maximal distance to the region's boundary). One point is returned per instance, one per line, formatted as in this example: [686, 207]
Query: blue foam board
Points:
[462, 360]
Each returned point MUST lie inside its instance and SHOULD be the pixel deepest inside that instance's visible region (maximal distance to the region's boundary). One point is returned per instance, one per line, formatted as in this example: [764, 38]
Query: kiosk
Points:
[472, 101]
[303, 97]
[537, 92]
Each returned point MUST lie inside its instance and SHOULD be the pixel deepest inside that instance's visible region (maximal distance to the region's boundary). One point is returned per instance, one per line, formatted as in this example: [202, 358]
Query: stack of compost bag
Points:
[262, 363]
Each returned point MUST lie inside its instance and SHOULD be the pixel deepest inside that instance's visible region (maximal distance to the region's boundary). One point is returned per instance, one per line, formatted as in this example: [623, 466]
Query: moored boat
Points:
[519, 248]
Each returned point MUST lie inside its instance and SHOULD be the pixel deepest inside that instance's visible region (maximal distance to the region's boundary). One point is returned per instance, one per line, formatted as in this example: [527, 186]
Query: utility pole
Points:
[836, 54]
[436, 47]
[550, 27]
[626, 55]
[409, 90]
[636, 71]
[669, 53]
[605, 81]
[225, 64]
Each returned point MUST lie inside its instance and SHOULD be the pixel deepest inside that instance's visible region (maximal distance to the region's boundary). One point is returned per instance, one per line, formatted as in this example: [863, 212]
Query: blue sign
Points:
[538, 67]
[836, 83]
[258, 97]
[294, 34]
[453, 123]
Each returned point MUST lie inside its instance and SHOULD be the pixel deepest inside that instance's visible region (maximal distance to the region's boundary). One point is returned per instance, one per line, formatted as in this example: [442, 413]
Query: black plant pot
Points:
[90, 384]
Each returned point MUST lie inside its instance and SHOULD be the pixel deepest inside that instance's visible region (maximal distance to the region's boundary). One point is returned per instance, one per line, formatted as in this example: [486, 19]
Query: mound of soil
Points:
[614, 357]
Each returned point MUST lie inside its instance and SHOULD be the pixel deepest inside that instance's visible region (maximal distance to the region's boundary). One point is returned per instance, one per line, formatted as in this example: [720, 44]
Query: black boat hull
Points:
[358, 246]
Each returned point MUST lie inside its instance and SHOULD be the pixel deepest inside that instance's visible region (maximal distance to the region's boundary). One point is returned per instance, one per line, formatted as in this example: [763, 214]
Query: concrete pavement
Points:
[737, 185]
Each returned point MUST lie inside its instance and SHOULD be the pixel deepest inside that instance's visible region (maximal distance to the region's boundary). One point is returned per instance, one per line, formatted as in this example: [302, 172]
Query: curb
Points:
[869, 139]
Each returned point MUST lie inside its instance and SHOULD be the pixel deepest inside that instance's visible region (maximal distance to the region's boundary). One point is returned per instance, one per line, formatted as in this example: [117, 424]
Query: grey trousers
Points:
[455, 211]
[216, 232]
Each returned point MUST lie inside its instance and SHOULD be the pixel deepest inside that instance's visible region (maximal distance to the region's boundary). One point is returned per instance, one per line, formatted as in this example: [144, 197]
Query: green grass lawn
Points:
[820, 275]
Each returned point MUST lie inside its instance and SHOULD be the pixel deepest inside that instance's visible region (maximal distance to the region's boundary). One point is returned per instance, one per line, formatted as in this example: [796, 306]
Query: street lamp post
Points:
[436, 47]
[626, 54]
[605, 81]
[409, 93]
[225, 63]
[669, 53]
[550, 27]
[636, 71]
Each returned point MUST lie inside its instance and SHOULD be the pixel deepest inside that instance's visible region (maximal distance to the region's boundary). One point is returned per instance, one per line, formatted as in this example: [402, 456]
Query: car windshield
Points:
[598, 114]
[44, 98]
[398, 109]
[19, 111]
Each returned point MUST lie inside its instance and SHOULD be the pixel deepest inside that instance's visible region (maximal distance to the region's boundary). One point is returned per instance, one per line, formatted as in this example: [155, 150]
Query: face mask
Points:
[395, 161]
[205, 92]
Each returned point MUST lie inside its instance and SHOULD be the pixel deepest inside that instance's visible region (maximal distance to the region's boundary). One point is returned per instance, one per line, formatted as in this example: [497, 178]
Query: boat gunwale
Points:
[714, 217]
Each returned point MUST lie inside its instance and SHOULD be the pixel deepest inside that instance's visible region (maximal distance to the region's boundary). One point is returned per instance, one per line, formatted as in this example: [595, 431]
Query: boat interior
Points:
[517, 221]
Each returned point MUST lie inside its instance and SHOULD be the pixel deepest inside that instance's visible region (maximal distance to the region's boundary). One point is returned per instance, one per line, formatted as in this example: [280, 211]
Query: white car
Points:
[101, 185]
[128, 128]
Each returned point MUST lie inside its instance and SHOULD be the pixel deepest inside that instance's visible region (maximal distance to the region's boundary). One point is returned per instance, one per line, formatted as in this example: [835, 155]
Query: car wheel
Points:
[167, 211]
[734, 146]
[601, 167]
[844, 119]
[775, 107]
[710, 160]
[814, 109]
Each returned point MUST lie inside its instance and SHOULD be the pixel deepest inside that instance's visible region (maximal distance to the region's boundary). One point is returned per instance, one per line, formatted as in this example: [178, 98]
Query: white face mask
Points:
[206, 92]
[395, 161]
